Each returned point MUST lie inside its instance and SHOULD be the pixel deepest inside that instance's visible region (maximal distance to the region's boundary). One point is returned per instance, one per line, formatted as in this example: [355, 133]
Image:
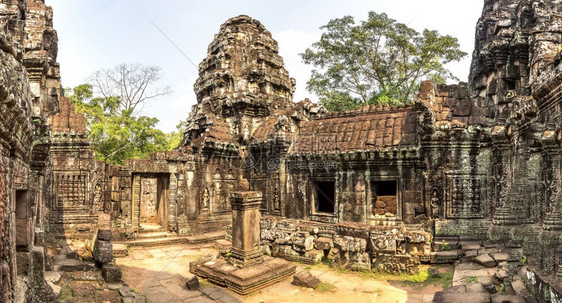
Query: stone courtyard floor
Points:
[160, 273]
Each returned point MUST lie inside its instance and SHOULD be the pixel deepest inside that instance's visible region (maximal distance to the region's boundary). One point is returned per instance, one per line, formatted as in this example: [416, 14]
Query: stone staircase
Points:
[154, 235]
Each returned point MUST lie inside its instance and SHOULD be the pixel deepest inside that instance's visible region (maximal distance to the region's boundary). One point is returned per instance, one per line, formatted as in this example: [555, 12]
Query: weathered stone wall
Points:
[78, 183]
[25, 40]
[510, 145]
[352, 245]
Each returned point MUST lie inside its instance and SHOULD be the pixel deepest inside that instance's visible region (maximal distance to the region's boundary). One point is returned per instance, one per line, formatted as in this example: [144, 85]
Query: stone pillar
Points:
[103, 250]
[246, 228]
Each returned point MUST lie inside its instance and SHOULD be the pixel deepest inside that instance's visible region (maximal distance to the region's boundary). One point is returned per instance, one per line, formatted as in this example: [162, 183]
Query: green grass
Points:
[324, 287]
[423, 278]
[445, 246]
[502, 288]
[471, 279]
[65, 293]
[419, 279]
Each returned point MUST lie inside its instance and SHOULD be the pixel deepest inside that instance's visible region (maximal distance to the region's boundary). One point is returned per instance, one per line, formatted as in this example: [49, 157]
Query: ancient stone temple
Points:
[377, 188]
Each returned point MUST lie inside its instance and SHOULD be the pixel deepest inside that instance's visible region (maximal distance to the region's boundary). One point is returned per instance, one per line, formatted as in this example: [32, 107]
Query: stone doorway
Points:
[24, 225]
[151, 200]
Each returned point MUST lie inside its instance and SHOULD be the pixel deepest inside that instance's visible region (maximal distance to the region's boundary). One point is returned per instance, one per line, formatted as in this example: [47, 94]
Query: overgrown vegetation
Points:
[423, 277]
[445, 246]
[324, 287]
[65, 293]
[376, 61]
[471, 279]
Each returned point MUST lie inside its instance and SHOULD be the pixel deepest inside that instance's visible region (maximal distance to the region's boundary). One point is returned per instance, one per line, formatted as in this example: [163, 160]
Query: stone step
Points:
[69, 265]
[150, 227]
[170, 240]
[159, 234]
[149, 242]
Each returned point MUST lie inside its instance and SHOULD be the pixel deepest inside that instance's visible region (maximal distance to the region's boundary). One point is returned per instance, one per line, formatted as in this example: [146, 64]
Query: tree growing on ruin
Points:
[376, 61]
[116, 133]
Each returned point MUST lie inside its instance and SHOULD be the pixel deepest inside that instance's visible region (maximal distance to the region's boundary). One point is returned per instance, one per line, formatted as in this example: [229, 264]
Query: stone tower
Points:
[241, 81]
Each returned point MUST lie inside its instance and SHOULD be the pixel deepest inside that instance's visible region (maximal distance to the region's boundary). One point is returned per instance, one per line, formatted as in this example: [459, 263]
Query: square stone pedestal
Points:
[246, 269]
[247, 279]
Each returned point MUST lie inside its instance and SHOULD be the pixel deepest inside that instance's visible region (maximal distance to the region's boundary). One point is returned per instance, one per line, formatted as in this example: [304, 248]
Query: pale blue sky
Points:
[103, 33]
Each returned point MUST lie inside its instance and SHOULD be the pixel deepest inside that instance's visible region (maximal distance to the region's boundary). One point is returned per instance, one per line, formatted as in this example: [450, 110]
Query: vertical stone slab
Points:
[246, 227]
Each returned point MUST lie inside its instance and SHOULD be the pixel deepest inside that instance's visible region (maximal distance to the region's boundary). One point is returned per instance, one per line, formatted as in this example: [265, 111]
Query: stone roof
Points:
[370, 128]
[285, 121]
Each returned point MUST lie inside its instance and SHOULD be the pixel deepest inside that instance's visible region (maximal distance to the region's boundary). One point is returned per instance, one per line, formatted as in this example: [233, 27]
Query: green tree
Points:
[117, 134]
[376, 61]
[174, 138]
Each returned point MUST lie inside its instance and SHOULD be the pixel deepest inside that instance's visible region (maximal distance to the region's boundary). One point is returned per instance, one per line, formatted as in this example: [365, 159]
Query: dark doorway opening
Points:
[325, 196]
[384, 197]
[23, 221]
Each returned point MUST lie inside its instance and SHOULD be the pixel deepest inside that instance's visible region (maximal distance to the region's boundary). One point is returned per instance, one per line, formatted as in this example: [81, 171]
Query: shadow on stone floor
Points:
[163, 286]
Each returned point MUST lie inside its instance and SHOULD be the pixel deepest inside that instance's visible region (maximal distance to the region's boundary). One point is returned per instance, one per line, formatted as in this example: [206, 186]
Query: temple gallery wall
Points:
[377, 188]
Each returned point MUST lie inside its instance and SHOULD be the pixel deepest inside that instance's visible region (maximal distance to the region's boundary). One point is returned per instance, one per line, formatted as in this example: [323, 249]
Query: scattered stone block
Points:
[488, 283]
[104, 234]
[475, 288]
[501, 275]
[111, 273]
[193, 283]
[103, 251]
[519, 287]
[456, 289]
[444, 256]
[470, 254]
[114, 286]
[323, 243]
[69, 265]
[501, 298]
[485, 260]
[315, 256]
[446, 297]
[303, 244]
[499, 257]
[305, 279]
[126, 292]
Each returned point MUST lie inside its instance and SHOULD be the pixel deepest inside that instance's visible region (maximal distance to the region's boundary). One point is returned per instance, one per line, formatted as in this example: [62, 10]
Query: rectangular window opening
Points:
[510, 84]
[384, 197]
[325, 197]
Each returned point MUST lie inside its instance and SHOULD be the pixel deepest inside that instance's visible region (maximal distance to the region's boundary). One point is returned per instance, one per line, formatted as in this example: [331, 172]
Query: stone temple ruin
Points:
[378, 188]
